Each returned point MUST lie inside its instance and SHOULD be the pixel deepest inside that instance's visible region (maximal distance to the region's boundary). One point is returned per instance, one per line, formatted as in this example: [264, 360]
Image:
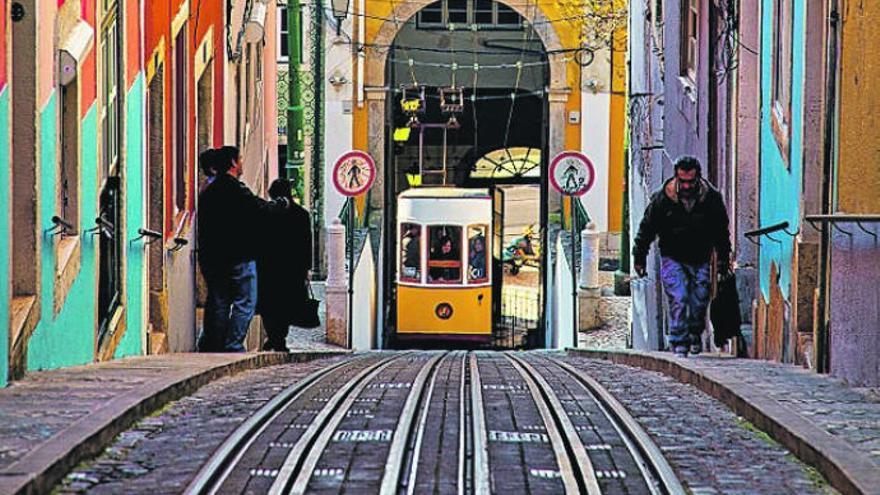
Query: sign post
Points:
[353, 175]
[572, 174]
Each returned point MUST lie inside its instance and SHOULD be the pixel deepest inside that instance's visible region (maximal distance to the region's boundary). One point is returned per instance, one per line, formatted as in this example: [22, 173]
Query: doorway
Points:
[473, 114]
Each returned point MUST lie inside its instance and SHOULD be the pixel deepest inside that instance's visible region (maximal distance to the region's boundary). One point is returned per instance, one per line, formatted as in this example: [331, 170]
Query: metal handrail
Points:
[770, 229]
[60, 226]
[836, 218]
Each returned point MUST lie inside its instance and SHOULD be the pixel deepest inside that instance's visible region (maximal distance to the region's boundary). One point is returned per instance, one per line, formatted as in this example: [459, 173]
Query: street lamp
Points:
[340, 12]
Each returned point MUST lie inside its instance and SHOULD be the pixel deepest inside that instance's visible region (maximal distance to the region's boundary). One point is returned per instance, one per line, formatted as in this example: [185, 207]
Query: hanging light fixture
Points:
[340, 12]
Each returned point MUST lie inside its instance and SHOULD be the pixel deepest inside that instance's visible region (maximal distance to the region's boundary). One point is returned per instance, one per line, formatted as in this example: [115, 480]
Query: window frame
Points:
[283, 38]
[689, 55]
[420, 278]
[427, 250]
[110, 94]
[781, 67]
[487, 277]
[471, 10]
[180, 176]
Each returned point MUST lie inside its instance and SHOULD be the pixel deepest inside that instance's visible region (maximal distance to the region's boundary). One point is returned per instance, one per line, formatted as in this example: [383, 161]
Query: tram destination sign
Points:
[572, 173]
[354, 173]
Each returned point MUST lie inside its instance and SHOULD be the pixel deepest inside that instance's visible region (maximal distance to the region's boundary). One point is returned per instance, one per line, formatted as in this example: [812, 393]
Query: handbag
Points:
[724, 311]
[308, 317]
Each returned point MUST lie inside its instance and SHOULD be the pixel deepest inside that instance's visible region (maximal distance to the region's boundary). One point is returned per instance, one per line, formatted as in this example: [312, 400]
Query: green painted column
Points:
[295, 131]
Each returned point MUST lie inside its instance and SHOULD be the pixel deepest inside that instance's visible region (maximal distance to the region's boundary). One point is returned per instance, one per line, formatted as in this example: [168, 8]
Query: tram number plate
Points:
[362, 436]
[517, 437]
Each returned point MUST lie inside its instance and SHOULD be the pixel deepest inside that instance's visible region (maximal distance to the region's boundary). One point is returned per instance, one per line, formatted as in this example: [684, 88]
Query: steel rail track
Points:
[209, 479]
[654, 467]
[465, 432]
[397, 454]
[295, 473]
[479, 436]
[578, 475]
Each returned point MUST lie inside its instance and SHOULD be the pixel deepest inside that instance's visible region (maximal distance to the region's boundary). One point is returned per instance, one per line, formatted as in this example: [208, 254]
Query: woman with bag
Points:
[282, 269]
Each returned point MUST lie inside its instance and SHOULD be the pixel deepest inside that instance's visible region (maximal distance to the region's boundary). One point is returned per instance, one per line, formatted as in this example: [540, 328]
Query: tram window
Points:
[478, 256]
[410, 254]
[444, 257]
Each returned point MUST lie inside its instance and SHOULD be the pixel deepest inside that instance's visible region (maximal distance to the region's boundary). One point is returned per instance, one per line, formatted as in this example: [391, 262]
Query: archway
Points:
[535, 79]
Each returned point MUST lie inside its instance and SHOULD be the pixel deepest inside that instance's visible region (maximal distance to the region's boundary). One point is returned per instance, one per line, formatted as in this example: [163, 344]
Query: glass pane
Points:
[432, 14]
[508, 17]
[457, 11]
[478, 255]
[410, 252]
[483, 12]
[444, 258]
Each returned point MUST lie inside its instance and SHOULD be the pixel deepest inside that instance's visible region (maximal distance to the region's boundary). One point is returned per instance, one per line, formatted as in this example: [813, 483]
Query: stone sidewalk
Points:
[827, 424]
[51, 420]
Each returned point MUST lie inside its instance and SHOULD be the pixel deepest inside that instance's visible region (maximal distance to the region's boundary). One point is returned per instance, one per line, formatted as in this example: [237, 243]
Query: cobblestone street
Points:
[709, 448]
[162, 452]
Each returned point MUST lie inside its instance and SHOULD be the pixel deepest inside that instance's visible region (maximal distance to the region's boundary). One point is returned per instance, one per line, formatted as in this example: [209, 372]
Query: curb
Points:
[845, 469]
[47, 464]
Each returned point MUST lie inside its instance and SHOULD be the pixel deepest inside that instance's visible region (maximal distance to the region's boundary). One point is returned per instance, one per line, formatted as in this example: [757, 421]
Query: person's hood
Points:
[672, 192]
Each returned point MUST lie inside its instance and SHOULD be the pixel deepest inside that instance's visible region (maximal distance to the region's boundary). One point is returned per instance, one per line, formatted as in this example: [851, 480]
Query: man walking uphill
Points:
[689, 218]
[229, 216]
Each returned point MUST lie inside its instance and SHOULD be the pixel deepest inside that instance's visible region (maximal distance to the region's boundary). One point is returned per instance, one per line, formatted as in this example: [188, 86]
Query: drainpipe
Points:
[316, 165]
[295, 138]
[821, 347]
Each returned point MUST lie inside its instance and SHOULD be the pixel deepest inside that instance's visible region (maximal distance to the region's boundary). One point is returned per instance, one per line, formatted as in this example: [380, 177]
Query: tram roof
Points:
[445, 192]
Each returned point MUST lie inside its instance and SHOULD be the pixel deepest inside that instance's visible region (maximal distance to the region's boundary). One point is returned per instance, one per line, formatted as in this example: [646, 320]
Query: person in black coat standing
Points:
[283, 266]
[228, 216]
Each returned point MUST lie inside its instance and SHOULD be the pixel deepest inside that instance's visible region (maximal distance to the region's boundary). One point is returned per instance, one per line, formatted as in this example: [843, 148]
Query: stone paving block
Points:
[82, 408]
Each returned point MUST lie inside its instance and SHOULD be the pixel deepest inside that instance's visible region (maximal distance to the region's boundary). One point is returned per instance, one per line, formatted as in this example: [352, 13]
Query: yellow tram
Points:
[444, 265]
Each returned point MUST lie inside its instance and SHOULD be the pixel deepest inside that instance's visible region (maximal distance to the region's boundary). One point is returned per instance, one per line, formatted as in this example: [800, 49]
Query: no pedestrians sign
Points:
[572, 173]
[354, 173]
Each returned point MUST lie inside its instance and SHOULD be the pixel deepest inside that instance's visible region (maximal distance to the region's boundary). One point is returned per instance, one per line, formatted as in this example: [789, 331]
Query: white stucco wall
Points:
[364, 311]
[595, 143]
[338, 124]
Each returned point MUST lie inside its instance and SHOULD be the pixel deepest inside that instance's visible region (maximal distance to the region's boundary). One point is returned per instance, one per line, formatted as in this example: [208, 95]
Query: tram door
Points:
[497, 263]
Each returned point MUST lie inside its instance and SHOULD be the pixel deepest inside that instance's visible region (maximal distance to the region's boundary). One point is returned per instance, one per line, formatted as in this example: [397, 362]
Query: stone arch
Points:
[403, 12]
[375, 83]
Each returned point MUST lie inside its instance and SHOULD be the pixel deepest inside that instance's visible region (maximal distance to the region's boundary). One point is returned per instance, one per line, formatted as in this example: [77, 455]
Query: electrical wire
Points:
[527, 35]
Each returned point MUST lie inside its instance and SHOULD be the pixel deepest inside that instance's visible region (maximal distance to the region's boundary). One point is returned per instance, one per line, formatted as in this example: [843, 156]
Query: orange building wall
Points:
[859, 175]
[618, 127]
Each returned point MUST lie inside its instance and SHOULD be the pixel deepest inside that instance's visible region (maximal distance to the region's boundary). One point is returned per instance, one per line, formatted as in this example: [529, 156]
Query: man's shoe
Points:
[696, 349]
[681, 351]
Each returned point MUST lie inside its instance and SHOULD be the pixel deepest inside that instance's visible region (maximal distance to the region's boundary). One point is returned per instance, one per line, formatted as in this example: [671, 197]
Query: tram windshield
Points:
[478, 256]
[444, 257]
[411, 249]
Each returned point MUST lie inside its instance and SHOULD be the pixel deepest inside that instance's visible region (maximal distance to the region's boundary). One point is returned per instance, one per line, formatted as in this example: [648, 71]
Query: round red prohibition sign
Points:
[572, 173]
[354, 173]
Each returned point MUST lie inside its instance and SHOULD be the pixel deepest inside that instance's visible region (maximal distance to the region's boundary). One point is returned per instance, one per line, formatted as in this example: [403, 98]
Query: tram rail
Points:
[216, 471]
[452, 411]
[658, 476]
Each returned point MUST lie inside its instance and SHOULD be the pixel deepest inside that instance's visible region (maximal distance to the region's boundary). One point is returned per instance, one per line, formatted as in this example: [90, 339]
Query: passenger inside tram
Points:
[444, 261]
[477, 258]
[411, 269]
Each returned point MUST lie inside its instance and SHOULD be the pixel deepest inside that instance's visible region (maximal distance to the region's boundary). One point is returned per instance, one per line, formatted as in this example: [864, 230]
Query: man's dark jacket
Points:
[283, 262]
[229, 219]
[685, 236]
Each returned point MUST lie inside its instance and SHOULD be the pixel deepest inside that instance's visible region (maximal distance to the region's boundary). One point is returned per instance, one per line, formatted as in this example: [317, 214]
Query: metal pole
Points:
[350, 234]
[574, 292]
[295, 133]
